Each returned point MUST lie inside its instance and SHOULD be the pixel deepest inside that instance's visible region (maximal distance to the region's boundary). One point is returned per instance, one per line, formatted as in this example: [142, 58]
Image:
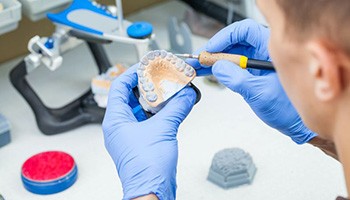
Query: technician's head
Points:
[310, 46]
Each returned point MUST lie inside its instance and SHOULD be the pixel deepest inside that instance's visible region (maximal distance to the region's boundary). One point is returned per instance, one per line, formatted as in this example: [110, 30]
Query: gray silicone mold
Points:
[231, 168]
[4, 131]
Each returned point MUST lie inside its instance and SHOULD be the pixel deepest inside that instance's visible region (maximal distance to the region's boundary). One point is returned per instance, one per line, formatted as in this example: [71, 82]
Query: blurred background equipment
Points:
[27, 28]
[10, 15]
[90, 22]
[227, 11]
[5, 137]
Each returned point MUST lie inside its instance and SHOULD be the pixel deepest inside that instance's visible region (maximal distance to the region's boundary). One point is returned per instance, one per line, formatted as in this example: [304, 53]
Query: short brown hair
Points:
[326, 18]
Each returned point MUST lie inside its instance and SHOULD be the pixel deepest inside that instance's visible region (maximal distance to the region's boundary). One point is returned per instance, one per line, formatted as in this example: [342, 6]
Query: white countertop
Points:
[221, 120]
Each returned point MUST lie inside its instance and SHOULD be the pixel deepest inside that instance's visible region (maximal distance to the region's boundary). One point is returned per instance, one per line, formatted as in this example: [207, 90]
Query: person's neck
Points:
[342, 138]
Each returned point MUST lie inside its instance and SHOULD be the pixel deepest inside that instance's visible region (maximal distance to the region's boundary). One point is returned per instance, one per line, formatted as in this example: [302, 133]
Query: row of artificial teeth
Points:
[179, 63]
[148, 87]
[152, 55]
[189, 71]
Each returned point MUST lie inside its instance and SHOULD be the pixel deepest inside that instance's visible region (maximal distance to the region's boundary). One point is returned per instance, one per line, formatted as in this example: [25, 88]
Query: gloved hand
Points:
[144, 150]
[261, 89]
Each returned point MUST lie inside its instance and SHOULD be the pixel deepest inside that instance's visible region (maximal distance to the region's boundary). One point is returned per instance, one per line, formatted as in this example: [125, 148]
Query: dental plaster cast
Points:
[160, 76]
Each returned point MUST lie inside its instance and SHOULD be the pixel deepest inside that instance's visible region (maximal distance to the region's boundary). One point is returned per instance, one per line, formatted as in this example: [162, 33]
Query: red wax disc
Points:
[48, 166]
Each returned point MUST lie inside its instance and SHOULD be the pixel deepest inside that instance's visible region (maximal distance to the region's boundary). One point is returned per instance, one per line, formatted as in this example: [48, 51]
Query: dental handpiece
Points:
[208, 59]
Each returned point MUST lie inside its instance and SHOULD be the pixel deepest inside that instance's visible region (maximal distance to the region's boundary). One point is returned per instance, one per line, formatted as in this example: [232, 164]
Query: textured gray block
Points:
[4, 131]
[231, 168]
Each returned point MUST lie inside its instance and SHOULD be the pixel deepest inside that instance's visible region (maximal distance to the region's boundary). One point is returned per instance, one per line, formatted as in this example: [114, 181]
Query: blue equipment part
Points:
[85, 16]
[95, 21]
[49, 43]
[140, 30]
[51, 187]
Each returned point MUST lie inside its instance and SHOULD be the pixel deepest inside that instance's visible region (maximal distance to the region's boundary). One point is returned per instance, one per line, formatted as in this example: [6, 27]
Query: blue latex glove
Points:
[144, 150]
[200, 70]
[261, 89]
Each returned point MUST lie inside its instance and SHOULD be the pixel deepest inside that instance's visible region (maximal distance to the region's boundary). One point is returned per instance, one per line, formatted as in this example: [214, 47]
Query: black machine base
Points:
[81, 111]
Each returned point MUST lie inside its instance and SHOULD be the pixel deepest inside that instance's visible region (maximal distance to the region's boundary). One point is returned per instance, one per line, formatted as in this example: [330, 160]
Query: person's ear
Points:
[325, 70]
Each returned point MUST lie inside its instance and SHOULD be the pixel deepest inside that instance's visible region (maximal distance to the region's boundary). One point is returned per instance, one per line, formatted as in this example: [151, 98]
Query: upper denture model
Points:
[160, 76]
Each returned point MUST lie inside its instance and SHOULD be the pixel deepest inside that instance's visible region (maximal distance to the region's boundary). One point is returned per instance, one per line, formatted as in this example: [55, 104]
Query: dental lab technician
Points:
[309, 44]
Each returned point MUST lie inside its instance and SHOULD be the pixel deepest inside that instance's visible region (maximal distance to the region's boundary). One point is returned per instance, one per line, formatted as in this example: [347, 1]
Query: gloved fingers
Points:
[233, 77]
[240, 49]
[299, 133]
[177, 109]
[118, 109]
[250, 52]
[201, 70]
[204, 71]
[136, 108]
[260, 72]
[243, 32]
[194, 62]
[259, 52]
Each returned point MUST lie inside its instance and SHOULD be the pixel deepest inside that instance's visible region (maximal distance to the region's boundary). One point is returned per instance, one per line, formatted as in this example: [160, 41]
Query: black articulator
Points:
[81, 111]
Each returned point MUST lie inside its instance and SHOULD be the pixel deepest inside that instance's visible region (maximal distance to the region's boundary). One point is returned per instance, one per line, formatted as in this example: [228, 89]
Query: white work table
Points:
[220, 120]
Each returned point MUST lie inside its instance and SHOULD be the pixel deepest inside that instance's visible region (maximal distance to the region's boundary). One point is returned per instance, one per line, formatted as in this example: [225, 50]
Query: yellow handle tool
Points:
[208, 59]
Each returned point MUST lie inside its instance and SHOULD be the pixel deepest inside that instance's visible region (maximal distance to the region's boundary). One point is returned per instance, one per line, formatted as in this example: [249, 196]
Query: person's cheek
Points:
[273, 51]
[286, 59]
[281, 57]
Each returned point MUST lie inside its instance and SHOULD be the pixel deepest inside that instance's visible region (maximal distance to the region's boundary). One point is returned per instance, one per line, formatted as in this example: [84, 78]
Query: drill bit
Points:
[188, 56]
